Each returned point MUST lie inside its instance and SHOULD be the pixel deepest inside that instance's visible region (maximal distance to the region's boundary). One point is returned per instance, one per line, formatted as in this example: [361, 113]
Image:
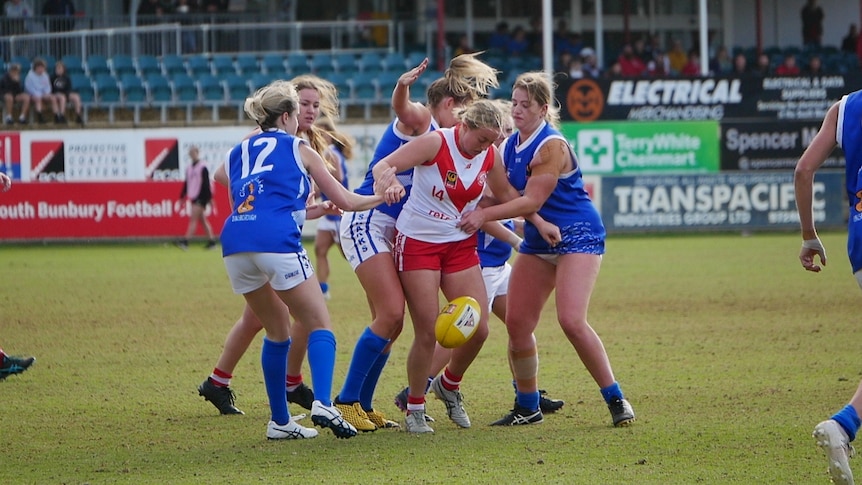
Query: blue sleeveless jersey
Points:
[569, 206]
[492, 251]
[269, 186]
[344, 177]
[849, 138]
[389, 142]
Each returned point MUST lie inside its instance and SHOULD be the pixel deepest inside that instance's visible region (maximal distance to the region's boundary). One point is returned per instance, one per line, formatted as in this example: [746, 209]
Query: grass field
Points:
[729, 352]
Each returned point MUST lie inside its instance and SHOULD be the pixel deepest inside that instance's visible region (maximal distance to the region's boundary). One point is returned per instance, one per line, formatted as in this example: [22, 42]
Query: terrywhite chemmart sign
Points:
[640, 148]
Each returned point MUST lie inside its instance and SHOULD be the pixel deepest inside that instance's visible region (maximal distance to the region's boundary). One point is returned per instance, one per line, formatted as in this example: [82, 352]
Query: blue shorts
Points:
[577, 238]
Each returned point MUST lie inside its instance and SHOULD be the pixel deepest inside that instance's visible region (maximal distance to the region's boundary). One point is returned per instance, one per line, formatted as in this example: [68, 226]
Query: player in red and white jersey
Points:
[432, 252]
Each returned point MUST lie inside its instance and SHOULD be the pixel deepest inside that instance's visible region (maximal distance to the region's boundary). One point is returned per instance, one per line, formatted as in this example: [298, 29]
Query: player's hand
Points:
[5, 182]
[472, 221]
[410, 77]
[810, 248]
[388, 186]
[550, 233]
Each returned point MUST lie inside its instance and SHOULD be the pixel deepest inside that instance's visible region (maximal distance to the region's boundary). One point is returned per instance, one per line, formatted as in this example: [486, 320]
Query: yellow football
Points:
[457, 322]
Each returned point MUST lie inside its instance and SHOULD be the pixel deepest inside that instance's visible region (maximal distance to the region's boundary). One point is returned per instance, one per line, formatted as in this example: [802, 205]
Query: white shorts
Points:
[496, 281]
[328, 225]
[365, 234]
[858, 276]
[250, 271]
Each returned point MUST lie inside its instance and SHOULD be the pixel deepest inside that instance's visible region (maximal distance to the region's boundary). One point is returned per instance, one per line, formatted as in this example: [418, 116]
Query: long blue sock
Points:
[611, 392]
[366, 394]
[321, 360]
[849, 420]
[528, 400]
[365, 354]
[273, 360]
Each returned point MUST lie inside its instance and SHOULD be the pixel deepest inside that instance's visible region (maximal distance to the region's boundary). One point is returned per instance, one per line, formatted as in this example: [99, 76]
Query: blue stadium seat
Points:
[24, 62]
[246, 64]
[364, 86]
[107, 88]
[223, 65]
[211, 88]
[148, 65]
[122, 64]
[371, 62]
[260, 79]
[346, 63]
[133, 88]
[199, 65]
[322, 64]
[159, 88]
[341, 83]
[173, 65]
[50, 60]
[273, 62]
[74, 65]
[97, 65]
[297, 63]
[414, 58]
[237, 87]
[394, 61]
[386, 81]
[82, 84]
[185, 88]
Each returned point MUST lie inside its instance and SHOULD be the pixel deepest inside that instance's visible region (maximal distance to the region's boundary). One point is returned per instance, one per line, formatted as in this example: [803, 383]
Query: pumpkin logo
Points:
[585, 100]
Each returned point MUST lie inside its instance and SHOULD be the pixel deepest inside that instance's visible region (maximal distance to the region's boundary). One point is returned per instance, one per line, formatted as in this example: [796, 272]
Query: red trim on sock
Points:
[294, 380]
[220, 373]
[415, 400]
[450, 381]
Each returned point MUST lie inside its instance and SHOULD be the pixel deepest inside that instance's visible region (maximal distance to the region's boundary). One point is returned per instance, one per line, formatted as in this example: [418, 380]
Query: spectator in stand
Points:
[812, 23]
[562, 38]
[763, 67]
[630, 64]
[153, 8]
[499, 41]
[639, 48]
[37, 84]
[61, 15]
[660, 67]
[13, 92]
[677, 57]
[518, 44]
[563, 61]
[63, 92]
[788, 67]
[814, 66]
[576, 68]
[19, 13]
[615, 71]
[848, 44]
[464, 46]
[740, 65]
[214, 6]
[534, 36]
[591, 66]
[692, 67]
[721, 64]
[653, 48]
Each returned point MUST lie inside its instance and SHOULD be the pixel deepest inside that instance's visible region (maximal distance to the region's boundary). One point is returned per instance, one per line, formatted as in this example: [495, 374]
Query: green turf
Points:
[729, 352]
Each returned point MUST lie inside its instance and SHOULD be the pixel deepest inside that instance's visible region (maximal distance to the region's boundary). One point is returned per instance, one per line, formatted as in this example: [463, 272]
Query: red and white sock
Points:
[450, 381]
[415, 404]
[220, 378]
[293, 382]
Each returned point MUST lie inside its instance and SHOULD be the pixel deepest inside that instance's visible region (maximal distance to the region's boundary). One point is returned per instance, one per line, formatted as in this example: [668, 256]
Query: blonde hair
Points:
[268, 103]
[343, 141]
[483, 114]
[466, 79]
[505, 107]
[328, 107]
[540, 89]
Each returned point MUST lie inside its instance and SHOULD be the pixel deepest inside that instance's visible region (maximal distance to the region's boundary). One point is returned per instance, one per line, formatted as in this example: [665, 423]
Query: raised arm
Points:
[413, 118]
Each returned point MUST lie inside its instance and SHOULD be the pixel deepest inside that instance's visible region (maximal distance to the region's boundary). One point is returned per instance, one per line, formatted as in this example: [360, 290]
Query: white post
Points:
[704, 48]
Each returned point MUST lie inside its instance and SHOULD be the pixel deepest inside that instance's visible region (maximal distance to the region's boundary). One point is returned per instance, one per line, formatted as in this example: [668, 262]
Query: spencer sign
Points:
[692, 99]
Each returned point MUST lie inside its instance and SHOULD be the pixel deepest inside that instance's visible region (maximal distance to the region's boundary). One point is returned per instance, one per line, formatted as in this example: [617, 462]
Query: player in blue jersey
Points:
[840, 128]
[317, 97]
[366, 237]
[339, 151]
[541, 165]
[270, 178]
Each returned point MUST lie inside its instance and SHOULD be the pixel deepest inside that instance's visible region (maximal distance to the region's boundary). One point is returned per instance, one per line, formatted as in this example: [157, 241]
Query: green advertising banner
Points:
[626, 148]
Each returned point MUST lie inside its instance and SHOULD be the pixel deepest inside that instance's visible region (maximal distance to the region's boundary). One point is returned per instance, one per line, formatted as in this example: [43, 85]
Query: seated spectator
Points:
[562, 38]
[563, 61]
[464, 46]
[214, 6]
[692, 66]
[639, 48]
[848, 44]
[499, 41]
[659, 67]
[721, 64]
[740, 65]
[653, 49]
[763, 67]
[630, 64]
[64, 93]
[615, 71]
[591, 63]
[13, 92]
[814, 67]
[576, 68]
[37, 84]
[677, 57]
[788, 67]
[19, 14]
[518, 44]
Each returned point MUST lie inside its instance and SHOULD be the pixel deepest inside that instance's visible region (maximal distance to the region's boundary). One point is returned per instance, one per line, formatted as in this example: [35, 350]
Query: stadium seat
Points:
[148, 65]
[273, 62]
[107, 89]
[159, 88]
[223, 65]
[414, 58]
[341, 83]
[97, 65]
[185, 88]
[346, 64]
[297, 63]
[199, 65]
[246, 64]
[364, 86]
[24, 62]
[133, 88]
[50, 60]
[74, 65]
[371, 62]
[122, 64]
[260, 79]
[82, 84]
[211, 88]
[394, 61]
[237, 87]
[173, 65]
[386, 81]
[322, 64]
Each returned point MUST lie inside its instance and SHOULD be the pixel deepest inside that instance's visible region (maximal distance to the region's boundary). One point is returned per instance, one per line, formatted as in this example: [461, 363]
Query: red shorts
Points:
[412, 254]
